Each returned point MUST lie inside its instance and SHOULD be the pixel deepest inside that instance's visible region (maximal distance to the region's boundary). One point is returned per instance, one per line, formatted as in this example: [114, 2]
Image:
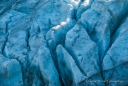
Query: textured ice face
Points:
[63, 42]
[10, 72]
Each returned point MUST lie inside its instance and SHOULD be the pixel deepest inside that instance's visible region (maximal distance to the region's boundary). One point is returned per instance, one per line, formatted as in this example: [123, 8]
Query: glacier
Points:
[63, 43]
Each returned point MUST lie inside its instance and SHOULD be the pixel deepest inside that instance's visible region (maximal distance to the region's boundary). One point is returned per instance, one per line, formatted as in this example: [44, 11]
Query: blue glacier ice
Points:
[63, 42]
[71, 74]
[10, 72]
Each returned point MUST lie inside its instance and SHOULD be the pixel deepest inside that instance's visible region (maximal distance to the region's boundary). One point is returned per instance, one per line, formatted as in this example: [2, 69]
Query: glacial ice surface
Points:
[63, 42]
